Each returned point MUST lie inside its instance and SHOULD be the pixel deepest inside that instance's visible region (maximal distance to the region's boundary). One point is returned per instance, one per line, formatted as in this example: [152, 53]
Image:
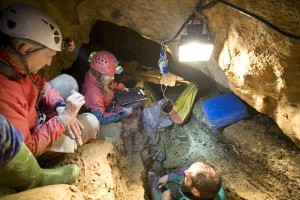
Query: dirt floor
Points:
[256, 160]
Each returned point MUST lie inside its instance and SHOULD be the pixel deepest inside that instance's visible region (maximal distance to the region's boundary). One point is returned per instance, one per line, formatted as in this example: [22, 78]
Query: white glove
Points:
[73, 105]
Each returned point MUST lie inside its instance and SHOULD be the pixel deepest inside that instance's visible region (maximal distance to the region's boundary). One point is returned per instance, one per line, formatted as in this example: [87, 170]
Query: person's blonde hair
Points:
[99, 77]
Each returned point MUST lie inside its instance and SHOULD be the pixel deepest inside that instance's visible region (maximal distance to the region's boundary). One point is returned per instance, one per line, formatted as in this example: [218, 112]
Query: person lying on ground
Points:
[29, 39]
[199, 181]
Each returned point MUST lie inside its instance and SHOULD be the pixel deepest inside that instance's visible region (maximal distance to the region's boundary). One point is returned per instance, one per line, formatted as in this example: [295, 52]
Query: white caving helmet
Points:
[23, 21]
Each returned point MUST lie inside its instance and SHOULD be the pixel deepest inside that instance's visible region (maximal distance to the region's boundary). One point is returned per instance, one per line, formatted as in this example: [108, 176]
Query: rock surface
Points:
[258, 64]
[256, 160]
[261, 65]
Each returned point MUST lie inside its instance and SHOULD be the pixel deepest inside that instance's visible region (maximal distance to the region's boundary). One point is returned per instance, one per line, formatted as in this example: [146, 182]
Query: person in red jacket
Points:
[29, 40]
[99, 87]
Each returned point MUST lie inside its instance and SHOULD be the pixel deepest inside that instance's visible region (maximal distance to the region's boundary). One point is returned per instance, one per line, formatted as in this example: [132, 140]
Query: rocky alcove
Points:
[258, 156]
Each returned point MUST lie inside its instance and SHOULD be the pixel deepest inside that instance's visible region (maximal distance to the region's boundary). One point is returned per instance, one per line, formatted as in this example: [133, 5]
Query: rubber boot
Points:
[23, 172]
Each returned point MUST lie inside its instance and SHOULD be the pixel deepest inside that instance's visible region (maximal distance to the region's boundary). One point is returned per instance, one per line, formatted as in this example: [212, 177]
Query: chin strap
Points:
[24, 61]
[8, 68]
[9, 72]
[42, 92]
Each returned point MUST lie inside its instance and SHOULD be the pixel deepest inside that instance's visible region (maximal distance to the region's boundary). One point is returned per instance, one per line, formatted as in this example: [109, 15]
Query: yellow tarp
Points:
[184, 104]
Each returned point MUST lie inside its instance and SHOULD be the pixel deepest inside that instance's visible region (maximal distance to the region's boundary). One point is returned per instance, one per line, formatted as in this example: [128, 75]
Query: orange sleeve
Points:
[17, 104]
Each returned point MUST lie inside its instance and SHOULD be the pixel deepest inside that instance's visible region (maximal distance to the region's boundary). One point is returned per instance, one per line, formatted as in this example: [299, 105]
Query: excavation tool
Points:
[161, 157]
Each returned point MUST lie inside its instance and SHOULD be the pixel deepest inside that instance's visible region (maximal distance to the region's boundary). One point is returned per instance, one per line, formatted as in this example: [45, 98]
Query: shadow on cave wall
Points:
[127, 46]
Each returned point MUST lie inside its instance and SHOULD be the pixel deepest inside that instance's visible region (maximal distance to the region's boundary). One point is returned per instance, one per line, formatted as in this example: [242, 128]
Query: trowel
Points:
[161, 157]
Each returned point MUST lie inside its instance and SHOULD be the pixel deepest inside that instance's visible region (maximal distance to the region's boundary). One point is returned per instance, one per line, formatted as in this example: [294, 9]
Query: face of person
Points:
[108, 78]
[189, 173]
[40, 58]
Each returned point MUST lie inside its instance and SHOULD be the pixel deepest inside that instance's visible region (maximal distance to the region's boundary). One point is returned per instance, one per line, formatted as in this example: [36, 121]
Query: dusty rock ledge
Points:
[100, 177]
[256, 159]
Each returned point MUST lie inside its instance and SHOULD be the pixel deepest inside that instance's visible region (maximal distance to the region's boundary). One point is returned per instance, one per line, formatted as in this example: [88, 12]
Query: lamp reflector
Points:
[195, 51]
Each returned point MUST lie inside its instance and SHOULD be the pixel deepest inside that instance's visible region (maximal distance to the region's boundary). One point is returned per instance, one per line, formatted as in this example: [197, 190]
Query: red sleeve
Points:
[95, 101]
[37, 139]
[17, 103]
[119, 86]
[51, 96]
[45, 135]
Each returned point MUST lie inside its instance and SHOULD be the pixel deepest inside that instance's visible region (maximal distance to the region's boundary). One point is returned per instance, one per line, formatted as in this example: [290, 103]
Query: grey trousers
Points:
[64, 84]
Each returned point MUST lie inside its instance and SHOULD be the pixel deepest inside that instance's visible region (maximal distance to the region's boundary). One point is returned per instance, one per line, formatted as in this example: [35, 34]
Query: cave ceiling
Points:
[259, 64]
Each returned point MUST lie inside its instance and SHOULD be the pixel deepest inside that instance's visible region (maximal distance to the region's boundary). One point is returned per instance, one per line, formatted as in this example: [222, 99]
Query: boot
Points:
[23, 172]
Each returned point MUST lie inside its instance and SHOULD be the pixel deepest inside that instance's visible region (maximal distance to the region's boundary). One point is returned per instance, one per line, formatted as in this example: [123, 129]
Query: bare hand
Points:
[166, 195]
[128, 110]
[74, 129]
[162, 181]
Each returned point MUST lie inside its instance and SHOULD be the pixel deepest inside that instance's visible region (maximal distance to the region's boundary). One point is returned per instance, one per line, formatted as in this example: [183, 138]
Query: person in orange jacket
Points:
[99, 88]
[29, 40]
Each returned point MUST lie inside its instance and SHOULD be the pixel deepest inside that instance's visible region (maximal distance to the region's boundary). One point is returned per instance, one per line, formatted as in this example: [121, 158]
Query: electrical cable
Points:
[191, 17]
[163, 66]
[163, 61]
[209, 5]
[243, 11]
[249, 14]
[166, 98]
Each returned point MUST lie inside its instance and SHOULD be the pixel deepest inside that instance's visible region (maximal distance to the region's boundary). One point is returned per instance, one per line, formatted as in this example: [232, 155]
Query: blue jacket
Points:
[10, 141]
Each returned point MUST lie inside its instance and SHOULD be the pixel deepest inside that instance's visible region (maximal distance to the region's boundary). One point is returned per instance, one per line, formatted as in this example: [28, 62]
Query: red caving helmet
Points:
[105, 63]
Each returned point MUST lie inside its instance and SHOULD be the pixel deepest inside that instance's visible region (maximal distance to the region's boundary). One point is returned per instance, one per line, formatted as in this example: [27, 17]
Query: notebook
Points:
[133, 95]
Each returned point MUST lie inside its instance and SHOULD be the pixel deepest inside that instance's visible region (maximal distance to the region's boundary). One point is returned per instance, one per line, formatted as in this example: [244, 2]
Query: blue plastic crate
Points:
[224, 110]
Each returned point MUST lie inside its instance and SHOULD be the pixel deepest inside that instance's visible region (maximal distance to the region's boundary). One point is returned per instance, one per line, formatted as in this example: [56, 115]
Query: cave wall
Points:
[260, 64]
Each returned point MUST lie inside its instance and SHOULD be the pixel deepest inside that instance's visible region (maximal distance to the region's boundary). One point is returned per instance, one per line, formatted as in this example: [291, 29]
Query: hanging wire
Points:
[161, 61]
[163, 66]
[190, 18]
[201, 7]
[267, 23]
[167, 100]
